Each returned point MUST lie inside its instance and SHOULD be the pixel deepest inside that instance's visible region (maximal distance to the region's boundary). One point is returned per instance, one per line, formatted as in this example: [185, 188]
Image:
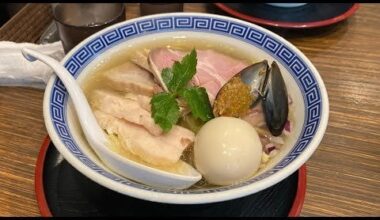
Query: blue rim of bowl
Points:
[297, 66]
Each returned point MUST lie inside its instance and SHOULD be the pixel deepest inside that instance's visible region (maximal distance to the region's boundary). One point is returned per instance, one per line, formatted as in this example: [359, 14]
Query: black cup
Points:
[76, 21]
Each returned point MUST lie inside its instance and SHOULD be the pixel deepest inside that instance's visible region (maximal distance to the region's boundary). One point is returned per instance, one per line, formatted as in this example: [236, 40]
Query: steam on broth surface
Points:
[97, 80]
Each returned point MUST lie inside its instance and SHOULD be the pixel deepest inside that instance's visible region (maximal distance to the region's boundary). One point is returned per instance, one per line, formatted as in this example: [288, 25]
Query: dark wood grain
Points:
[344, 172]
[28, 25]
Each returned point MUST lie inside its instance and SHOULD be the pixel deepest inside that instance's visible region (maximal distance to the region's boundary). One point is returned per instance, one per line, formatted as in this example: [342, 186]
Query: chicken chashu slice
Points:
[162, 150]
[129, 77]
[132, 107]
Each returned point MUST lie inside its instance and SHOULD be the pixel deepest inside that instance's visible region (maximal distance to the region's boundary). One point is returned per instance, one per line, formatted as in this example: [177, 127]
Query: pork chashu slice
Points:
[128, 77]
[162, 150]
[214, 69]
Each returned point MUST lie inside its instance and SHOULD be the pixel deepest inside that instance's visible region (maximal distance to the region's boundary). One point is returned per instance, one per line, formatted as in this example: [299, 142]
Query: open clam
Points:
[255, 83]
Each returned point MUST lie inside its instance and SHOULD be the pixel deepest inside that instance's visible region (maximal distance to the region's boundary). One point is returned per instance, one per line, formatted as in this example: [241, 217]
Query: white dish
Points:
[303, 81]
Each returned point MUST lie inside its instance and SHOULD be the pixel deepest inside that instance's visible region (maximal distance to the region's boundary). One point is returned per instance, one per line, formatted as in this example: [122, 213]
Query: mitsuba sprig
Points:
[164, 105]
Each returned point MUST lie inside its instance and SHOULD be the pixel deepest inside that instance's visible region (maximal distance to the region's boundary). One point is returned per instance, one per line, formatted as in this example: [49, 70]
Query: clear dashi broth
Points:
[96, 77]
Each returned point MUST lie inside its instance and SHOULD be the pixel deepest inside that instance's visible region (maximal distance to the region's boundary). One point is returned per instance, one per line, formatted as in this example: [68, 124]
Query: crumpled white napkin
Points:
[15, 70]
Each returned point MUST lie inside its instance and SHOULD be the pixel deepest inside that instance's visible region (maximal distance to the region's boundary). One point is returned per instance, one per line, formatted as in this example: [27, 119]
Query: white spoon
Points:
[98, 140]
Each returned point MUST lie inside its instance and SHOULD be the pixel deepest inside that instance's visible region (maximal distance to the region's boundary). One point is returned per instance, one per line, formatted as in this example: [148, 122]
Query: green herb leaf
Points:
[167, 76]
[165, 110]
[181, 73]
[199, 103]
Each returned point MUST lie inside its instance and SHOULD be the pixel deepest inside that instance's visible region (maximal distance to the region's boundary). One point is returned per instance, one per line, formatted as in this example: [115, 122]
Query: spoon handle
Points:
[94, 134]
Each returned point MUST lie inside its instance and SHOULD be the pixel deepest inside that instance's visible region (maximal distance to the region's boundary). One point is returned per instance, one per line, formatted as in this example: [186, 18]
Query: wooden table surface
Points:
[343, 176]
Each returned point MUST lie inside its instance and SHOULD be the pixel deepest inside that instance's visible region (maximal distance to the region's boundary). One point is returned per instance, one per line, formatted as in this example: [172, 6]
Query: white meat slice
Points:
[124, 108]
[128, 77]
[158, 150]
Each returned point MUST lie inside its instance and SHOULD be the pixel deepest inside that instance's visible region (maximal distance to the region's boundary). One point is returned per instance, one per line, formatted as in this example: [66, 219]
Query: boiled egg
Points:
[227, 150]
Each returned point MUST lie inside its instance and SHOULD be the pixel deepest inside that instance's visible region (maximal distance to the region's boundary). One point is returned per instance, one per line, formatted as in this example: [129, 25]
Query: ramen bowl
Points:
[310, 101]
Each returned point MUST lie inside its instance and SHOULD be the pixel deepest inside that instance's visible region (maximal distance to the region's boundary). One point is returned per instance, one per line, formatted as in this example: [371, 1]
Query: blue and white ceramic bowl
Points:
[311, 107]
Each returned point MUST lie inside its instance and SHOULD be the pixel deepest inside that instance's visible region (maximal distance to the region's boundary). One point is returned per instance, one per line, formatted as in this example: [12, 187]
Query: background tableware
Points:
[76, 21]
[311, 15]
